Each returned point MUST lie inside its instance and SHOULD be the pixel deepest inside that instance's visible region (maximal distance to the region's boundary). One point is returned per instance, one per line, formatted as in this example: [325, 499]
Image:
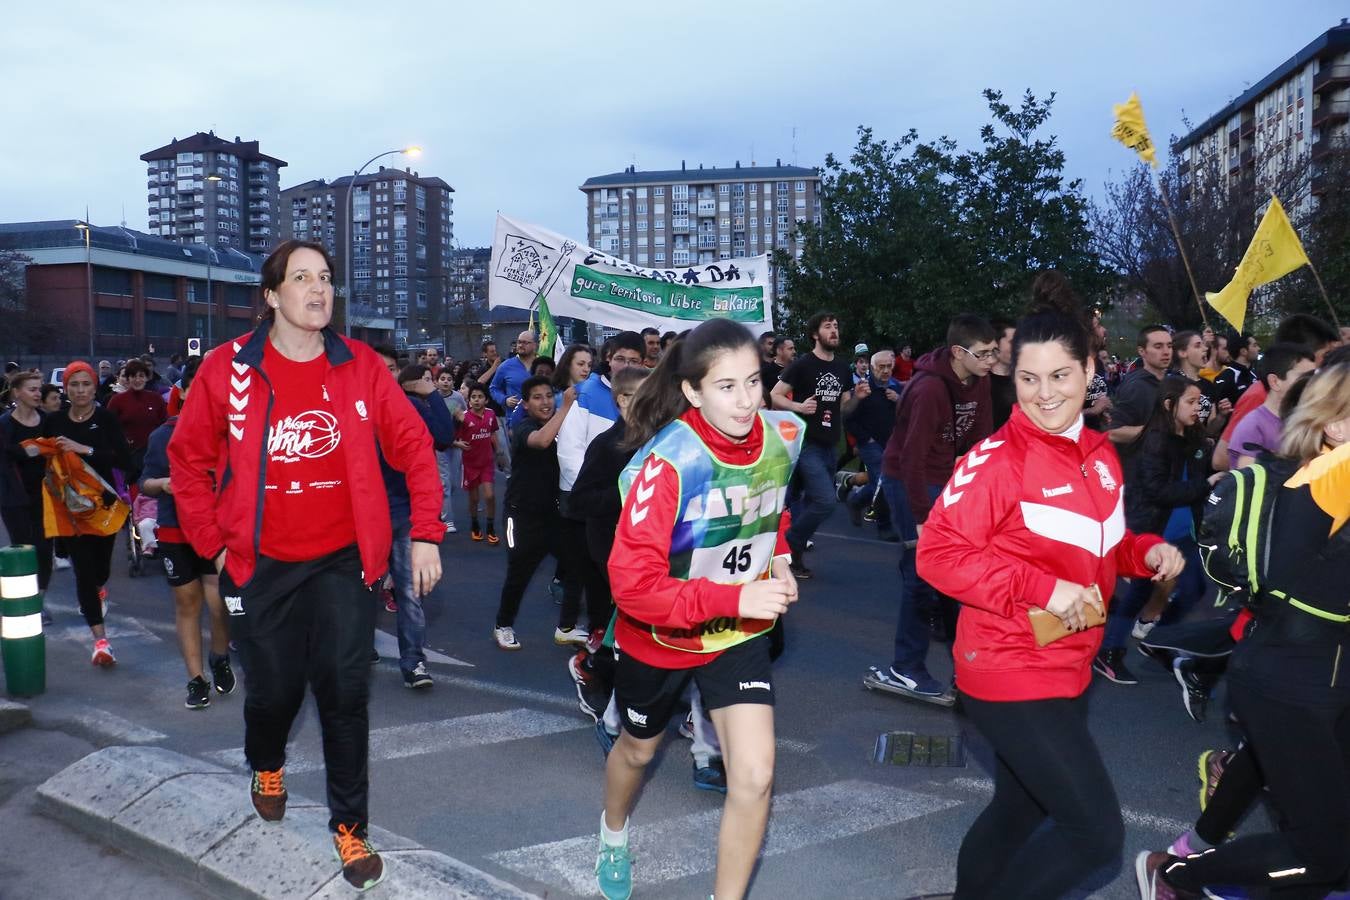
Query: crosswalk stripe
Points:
[100, 724]
[421, 738]
[687, 845]
[1138, 818]
[386, 645]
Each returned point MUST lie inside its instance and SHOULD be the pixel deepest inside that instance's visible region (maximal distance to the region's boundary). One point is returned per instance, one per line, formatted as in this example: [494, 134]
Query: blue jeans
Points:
[1190, 587]
[412, 619]
[448, 465]
[815, 502]
[911, 630]
[858, 498]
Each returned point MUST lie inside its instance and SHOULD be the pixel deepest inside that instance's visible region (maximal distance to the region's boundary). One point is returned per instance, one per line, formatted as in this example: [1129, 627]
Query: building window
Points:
[679, 192]
[658, 192]
[754, 188]
[659, 225]
[800, 186]
[641, 224]
[660, 256]
[641, 208]
[724, 189]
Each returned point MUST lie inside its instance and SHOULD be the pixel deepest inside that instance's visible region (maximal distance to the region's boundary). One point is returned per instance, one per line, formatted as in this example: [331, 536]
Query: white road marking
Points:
[848, 537]
[1162, 824]
[111, 728]
[792, 746]
[421, 738]
[684, 846]
[386, 645]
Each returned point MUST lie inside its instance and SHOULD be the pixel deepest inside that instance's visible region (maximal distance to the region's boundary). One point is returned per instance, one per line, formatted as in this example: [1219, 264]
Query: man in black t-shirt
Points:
[818, 387]
[784, 352]
[533, 522]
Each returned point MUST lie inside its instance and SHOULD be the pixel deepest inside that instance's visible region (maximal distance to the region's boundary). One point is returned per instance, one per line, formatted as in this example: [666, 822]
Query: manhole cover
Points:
[905, 748]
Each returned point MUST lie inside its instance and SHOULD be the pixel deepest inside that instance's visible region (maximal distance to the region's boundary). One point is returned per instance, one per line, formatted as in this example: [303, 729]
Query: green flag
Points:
[548, 331]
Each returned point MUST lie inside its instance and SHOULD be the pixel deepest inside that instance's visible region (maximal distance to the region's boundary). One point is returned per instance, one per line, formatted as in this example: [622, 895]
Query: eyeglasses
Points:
[983, 355]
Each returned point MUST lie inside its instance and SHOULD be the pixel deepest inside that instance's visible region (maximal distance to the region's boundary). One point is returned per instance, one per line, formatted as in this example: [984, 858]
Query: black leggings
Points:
[1303, 751]
[1047, 768]
[91, 559]
[1237, 790]
[529, 538]
[24, 524]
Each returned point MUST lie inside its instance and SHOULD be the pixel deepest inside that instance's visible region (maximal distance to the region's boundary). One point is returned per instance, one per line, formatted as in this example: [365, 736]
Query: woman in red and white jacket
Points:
[1033, 518]
[276, 478]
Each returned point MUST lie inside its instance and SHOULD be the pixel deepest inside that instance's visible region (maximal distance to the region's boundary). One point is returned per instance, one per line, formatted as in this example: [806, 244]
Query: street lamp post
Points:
[88, 282]
[413, 150]
[210, 251]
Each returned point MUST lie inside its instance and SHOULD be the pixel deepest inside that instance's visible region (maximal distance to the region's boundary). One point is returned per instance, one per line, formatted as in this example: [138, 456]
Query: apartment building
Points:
[207, 190]
[400, 242]
[679, 217]
[1298, 111]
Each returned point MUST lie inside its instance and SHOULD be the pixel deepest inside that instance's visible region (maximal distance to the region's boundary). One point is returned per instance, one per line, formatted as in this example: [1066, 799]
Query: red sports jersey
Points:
[478, 429]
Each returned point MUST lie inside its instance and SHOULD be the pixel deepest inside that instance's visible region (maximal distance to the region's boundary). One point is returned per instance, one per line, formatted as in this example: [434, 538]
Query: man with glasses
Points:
[944, 411]
[505, 385]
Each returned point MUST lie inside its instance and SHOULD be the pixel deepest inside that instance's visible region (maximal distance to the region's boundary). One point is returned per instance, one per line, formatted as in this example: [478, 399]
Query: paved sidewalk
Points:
[194, 820]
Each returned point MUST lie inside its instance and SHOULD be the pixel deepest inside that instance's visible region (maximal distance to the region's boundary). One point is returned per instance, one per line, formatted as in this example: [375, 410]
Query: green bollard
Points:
[21, 640]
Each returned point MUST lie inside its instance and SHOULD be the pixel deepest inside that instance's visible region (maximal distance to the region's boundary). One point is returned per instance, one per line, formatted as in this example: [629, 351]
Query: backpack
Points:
[1234, 535]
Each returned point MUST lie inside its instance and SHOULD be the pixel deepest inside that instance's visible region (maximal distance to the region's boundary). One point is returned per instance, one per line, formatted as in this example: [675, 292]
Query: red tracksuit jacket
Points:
[1022, 509]
[223, 428]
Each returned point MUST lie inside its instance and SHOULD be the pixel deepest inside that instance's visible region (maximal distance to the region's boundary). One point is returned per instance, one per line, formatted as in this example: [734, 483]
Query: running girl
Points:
[699, 571]
[479, 446]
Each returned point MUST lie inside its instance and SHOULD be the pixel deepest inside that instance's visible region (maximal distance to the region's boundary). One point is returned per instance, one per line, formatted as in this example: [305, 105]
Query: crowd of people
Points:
[1045, 500]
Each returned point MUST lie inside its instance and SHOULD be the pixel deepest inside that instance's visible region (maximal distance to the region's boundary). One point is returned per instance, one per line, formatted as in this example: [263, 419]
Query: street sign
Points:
[194, 346]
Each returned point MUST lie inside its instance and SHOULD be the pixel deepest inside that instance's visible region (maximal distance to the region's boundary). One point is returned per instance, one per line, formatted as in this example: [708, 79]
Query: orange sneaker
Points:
[268, 792]
[493, 539]
[361, 865]
[476, 534]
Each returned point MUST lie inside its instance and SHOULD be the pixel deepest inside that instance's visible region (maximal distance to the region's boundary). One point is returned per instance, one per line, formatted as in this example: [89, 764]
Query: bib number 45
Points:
[737, 560]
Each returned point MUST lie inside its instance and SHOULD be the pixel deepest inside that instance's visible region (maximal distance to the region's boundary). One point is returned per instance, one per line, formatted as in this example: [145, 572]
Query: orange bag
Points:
[75, 499]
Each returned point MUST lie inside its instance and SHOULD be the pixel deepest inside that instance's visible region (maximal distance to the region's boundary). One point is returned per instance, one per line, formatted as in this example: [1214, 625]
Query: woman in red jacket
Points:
[1033, 519]
[276, 478]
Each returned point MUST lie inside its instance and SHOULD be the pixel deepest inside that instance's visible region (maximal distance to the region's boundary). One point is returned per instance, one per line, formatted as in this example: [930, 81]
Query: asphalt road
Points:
[495, 765]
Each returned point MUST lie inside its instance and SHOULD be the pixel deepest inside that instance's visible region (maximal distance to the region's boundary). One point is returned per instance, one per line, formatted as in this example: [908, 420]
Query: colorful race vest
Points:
[726, 528]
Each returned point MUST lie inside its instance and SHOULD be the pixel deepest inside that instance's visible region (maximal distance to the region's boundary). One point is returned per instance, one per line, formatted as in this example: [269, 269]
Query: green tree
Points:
[912, 233]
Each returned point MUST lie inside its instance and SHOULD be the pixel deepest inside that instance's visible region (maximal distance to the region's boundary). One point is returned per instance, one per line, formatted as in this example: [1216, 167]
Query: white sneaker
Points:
[450, 528]
[506, 638]
[1142, 628]
[574, 635]
[61, 562]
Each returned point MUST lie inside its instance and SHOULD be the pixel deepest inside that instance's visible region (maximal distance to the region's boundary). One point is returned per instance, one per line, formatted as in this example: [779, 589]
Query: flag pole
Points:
[1321, 287]
[1181, 248]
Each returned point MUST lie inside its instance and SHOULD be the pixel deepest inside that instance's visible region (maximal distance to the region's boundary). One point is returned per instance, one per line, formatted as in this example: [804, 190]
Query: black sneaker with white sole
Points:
[1194, 691]
[222, 674]
[198, 694]
[419, 677]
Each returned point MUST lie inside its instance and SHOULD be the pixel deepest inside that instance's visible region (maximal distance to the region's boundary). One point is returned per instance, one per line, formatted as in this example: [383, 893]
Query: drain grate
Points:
[905, 748]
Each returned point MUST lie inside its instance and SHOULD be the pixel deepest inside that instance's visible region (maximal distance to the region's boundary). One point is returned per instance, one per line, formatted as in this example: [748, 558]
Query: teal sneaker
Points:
[614, 872]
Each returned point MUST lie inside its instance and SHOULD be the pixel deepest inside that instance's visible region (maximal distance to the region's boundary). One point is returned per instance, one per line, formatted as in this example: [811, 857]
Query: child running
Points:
[699, 570]
[479, 445]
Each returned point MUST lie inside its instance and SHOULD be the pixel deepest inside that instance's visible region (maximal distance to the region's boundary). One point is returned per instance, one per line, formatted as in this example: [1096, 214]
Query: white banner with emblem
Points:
[530, 262]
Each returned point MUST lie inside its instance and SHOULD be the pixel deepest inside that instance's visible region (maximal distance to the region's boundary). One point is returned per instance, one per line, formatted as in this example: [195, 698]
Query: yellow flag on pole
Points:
[1131, 131]
[1274, 252]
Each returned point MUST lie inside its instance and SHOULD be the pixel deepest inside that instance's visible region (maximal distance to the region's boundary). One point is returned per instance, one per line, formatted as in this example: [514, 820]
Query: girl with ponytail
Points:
[700, 573]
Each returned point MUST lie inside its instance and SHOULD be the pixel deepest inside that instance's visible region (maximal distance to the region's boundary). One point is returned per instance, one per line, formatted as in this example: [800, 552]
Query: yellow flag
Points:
[1131, 131]
[1274, 252]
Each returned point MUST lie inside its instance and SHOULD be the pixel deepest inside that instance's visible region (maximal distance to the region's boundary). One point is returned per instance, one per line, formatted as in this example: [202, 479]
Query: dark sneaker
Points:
[712, 777]
[361, 865]
[1160, 656]
[798, 568]
[1211, 765]
[222, 674]
[268, 793]
[604, 738]
[1148, 869]
[1110, 664]
[1194, 693]
[841, 485]
[198, 694]
[419, 677]
[592, 693]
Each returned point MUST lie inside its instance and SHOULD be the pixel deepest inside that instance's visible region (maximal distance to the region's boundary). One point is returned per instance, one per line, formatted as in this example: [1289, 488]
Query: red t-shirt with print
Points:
[478, 429]
[307, 507]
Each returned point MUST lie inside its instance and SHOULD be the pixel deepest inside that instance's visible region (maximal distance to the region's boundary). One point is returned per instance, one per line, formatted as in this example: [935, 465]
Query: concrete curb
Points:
[13, 716]
[194, 819]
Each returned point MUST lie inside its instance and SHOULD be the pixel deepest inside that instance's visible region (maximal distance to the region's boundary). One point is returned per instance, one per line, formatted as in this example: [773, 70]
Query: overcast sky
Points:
[517, 104]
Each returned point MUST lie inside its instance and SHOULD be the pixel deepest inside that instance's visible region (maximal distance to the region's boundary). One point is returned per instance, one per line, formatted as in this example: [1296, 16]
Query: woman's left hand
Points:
[426, 567]
[1166, 562]
[780, 571]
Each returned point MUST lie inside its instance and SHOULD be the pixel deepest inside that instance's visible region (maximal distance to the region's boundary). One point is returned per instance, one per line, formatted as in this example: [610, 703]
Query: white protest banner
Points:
[530, 262]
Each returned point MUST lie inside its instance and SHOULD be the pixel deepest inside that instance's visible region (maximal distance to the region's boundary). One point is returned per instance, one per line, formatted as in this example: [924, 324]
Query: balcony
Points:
[707, 208]
[1319, 184]
[1248, 157]
[257, 193]
[1329, 111]
[152, 182]
[1324, 144]
[1234, 162]
[263, 204]
[1233, 137]
[1248, 128]
[707, 242]
[1332, 76]
[255, 218]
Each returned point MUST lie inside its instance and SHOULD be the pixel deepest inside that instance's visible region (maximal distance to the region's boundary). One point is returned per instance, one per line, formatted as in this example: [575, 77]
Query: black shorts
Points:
[647, 695]
[182, 565]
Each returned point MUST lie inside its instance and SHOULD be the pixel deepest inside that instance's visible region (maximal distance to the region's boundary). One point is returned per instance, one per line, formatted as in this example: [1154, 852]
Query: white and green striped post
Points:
[21, 640]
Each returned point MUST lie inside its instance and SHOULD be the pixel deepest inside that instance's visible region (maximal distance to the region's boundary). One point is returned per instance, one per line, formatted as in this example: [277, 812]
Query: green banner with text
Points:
[691, 302]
